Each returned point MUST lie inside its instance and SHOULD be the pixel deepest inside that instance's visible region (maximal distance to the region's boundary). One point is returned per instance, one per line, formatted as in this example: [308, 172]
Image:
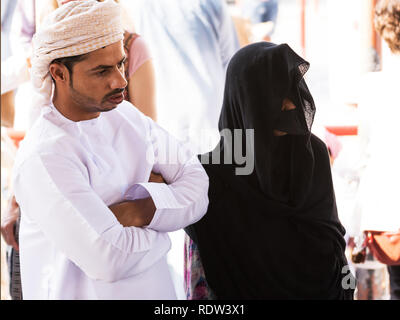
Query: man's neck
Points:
[70, 110]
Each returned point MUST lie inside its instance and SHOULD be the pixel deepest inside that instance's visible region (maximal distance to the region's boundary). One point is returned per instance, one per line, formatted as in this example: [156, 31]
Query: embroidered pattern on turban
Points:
[75, 28]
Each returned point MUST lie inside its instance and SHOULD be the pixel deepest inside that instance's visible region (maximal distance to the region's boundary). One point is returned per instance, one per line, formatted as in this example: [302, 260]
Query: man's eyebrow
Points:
[102, 66]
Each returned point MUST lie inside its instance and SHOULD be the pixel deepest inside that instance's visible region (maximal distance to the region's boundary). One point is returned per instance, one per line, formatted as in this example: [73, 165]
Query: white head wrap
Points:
[75, 28]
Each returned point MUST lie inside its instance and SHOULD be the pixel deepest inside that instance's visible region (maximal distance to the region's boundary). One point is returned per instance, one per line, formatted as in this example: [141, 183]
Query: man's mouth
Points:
[116, 98]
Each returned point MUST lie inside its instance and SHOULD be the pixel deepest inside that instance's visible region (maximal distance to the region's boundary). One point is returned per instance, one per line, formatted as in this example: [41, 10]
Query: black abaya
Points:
[273, 234]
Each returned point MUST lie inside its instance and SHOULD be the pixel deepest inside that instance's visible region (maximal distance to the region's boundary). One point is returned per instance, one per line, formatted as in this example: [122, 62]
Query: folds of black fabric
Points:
[273, 234]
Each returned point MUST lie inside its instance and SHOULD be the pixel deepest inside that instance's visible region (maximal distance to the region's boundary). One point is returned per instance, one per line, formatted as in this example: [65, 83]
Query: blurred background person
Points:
[14, 71]
[15, 75]
[7, 98]
[191, 43]
[7, 120]
[18, 75]
[377, 209]
[262, 14]
[242, 24]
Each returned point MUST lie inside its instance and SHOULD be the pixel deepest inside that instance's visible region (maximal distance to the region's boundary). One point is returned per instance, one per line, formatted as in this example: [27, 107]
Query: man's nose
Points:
[118, 80]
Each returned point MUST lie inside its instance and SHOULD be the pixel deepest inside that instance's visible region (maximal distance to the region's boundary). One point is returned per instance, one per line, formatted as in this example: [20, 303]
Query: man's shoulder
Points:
[44, 137]
[51, 137]
[130, 113]
[128, 109]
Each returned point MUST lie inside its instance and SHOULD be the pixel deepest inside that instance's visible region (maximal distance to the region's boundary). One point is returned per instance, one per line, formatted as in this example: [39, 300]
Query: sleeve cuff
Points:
[161, 194]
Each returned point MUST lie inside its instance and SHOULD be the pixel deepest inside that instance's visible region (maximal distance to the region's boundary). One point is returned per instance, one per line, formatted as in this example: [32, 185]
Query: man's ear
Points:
[59, 72]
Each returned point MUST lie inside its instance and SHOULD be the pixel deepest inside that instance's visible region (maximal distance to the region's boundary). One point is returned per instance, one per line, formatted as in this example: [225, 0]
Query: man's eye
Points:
[102, 72]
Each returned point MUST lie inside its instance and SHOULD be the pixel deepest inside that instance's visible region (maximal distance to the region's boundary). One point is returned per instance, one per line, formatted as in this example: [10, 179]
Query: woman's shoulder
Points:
[317, 142]
[217, 184]
[137, 51]
[319, 148]
[132, 40]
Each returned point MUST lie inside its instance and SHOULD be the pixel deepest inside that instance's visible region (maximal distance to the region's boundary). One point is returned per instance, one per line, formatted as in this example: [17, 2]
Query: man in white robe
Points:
[92, 225]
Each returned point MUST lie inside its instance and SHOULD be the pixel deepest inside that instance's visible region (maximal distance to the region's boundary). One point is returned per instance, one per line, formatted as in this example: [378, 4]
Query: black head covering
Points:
[273, 234]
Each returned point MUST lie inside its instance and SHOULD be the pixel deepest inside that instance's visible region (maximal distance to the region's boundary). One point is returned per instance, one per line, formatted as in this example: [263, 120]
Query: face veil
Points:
[259, 78]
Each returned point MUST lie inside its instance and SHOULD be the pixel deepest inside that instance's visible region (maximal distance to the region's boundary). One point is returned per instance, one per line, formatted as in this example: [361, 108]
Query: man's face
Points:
[98, 81]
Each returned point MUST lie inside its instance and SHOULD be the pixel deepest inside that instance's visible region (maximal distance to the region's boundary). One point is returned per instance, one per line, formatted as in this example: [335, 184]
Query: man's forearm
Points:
[146, 209]
[137, 213]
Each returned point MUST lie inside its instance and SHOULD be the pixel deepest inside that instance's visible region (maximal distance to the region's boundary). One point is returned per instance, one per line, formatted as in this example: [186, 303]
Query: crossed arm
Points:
[112, 246]
[137, 213]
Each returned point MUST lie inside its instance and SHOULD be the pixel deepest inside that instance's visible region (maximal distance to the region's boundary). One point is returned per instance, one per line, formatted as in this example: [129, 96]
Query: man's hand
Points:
[157, 178]
[8, 220]
[136, 213]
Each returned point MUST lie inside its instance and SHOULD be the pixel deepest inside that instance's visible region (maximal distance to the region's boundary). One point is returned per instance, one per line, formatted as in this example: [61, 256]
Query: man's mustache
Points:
[116, 91]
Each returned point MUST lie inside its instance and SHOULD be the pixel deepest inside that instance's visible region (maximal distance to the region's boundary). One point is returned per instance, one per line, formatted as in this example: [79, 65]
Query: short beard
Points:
[88, 104]
[83, 102]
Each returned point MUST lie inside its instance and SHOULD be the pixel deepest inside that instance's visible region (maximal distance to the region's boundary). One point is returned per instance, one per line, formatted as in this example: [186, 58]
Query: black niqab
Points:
[273, 234]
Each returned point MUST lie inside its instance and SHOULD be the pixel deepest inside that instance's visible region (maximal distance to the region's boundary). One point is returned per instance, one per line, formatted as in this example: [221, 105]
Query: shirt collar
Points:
[51, 112]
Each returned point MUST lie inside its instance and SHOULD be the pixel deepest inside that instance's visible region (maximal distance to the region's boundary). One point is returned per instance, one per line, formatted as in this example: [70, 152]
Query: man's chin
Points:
[108, 107]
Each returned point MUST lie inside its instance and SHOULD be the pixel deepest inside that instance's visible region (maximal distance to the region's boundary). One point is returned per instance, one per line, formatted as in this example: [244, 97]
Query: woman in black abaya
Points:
[275, 233]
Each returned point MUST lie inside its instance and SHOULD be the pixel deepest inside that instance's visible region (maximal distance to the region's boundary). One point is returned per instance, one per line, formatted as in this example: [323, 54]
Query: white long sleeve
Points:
[184, 200]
